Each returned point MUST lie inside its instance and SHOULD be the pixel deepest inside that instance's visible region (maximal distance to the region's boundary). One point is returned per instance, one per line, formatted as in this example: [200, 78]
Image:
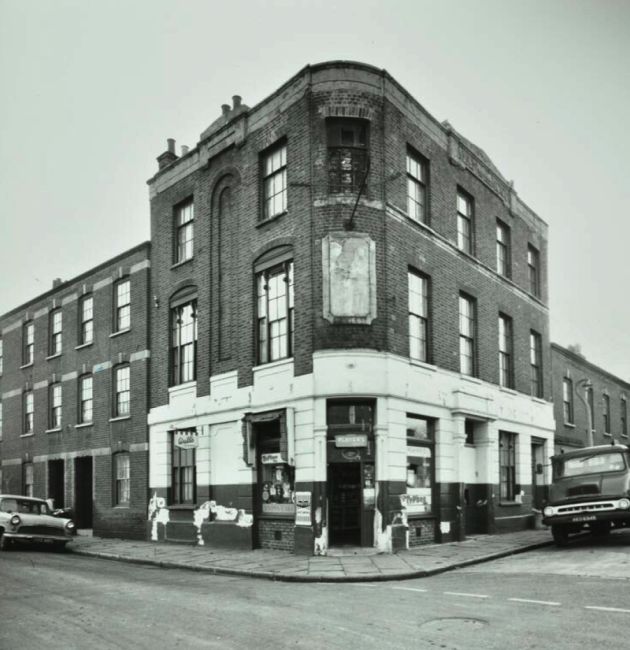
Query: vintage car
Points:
[590, 492]
[26, 519]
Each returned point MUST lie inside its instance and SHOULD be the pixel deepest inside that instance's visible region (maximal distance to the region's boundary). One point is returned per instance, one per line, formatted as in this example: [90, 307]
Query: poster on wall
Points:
[302, 508]
[417, 501]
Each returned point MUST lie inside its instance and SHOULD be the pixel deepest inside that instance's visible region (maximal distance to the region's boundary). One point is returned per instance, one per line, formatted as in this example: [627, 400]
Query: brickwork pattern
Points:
[276, 534]
[421, 532]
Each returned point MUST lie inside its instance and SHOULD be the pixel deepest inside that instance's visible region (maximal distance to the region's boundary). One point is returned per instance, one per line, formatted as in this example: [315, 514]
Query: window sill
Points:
[607, 434]
[82, 425]
[27, 435]
[569, 425]
[264, 222]
[182, 506]
[121, 506]
[471, 379]
[273, 364]
[119, 418]
[119, 332]
[26, 365]
[176, 265]
[508, 390]
[53, 356]
[423, 364]
[55, 430]
[84, 345]
[540, 400]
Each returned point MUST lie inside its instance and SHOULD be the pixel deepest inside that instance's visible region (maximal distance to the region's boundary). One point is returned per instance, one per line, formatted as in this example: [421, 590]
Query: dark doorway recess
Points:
[83, 492]
[56, 483]
[344, 510]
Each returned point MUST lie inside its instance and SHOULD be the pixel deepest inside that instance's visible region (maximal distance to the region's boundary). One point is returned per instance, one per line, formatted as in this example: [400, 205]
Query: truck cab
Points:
[590, 490]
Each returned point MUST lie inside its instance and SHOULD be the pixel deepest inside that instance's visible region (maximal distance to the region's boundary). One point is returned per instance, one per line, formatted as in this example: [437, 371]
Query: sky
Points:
[91, 90]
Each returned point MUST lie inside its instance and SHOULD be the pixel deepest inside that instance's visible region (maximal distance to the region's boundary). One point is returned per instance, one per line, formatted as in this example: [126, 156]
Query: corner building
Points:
[74, 396]
[351, 303]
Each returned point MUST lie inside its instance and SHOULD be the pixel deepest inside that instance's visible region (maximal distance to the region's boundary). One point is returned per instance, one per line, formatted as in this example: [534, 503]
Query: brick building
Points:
[583, 391]
[349, 327]
[74, 396]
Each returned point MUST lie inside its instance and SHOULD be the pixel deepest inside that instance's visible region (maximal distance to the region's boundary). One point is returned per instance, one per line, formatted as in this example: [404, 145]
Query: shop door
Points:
[83, 492]
[344, 504]
[538, 485]
[56, 483]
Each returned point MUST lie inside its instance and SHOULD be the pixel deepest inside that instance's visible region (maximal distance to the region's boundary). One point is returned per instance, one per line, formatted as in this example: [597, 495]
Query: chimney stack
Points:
[184, 149]
[225, 109]
[169, 156]
[236, 102]
[57, 282]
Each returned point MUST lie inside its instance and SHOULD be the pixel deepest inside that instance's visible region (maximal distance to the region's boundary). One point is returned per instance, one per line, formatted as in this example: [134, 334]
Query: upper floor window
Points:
[275, 312]
[184, 231]
[28, 342]
[122, 477]
[418, 316]
[28, 409]
[465, 212]
[0, 430]
[503, 249]
[347, 154]
[85, 399]
[1, 357]
[467, 335]
[624, 417]
[122, 394]
[535, 361]
[606, 409]
[506, 355]
[122, 305]
[533, 269]
[184, 342]
[86, 312]
[567, 400]
[54, 401]
[416, 187]
[55, 329]
[274, 170]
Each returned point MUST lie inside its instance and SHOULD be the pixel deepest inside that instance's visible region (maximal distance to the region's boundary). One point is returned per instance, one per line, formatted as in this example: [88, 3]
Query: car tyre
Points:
[4, 542]
[60, 547]
[560, 535]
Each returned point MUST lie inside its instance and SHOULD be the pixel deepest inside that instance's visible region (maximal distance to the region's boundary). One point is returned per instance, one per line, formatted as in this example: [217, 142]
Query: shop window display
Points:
[418, 497]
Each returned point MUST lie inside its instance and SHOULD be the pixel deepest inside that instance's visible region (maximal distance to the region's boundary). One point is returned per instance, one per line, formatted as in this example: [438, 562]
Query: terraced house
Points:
[349, 327]
[74, 378]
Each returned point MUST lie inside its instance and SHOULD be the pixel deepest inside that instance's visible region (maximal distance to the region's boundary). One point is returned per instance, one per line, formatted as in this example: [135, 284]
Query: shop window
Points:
[347, 154]
[420, 471]
[507, 465]
[27, 479]
[183, 474]
[356, 415]
[276, 477]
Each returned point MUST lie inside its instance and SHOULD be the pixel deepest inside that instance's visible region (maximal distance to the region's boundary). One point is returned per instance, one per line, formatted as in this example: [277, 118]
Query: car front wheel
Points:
[560, 535]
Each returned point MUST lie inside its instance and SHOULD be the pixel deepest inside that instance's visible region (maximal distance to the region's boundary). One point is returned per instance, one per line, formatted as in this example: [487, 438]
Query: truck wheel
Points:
[560, 535]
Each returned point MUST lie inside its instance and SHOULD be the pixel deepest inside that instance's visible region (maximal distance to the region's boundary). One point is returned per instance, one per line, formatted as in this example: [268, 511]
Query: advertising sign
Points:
[186, 439]
[271, 459]
[302, 508]
[351, 440]
[417, 501]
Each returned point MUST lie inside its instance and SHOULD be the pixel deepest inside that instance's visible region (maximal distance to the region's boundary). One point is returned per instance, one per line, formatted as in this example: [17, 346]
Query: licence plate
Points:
[584, 518]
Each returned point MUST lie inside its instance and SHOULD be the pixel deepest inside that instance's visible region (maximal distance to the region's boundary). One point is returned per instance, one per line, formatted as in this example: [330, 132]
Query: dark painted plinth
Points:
[303, 537]
[227, 535]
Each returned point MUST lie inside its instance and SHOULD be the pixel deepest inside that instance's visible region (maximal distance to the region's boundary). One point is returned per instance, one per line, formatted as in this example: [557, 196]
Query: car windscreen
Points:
[590, 464]
[25, 506]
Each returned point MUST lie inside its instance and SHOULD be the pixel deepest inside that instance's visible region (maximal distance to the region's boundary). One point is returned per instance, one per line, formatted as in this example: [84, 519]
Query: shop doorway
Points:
[83, 492]
[56, 482]
[344, 504]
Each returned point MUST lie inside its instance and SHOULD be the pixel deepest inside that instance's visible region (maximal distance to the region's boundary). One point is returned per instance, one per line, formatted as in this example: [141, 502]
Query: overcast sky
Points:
[91, 90]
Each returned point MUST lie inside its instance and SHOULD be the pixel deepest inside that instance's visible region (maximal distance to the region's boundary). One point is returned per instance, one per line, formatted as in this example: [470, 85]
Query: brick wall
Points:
[421, 532]
[276, 534]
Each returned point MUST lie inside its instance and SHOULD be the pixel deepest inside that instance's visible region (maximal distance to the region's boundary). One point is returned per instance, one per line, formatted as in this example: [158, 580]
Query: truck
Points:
[590, 492]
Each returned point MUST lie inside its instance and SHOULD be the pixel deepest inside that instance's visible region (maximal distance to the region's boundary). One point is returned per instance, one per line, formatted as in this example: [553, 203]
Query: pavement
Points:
[341, 565]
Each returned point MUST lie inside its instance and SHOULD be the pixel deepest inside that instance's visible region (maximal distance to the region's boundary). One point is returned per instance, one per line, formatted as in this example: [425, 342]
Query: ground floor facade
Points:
[369, 450]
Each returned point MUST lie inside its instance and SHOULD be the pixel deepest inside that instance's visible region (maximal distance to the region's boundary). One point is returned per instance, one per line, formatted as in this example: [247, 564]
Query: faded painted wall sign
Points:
[349, 273]
[302, 508]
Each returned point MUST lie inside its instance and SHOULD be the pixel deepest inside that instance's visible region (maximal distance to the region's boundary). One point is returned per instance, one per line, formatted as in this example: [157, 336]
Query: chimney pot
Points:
[236, 101]
[225, 108]
[57, 282]
[171, 145]
[184, 149]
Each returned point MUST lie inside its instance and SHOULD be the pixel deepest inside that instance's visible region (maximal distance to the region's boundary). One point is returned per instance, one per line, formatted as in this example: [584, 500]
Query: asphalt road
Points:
[552, 598]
